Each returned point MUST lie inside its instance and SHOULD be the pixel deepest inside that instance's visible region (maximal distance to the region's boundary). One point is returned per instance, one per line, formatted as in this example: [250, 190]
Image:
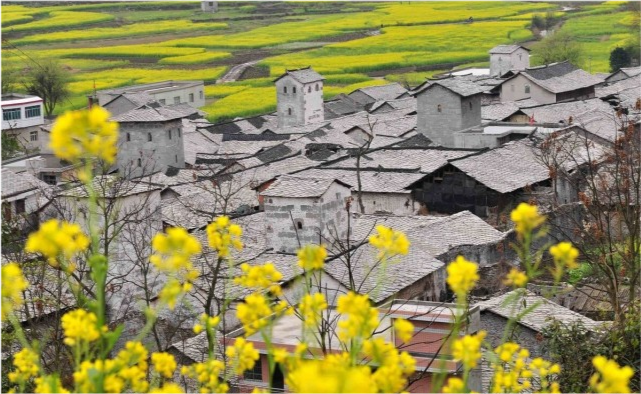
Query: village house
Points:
[299, 97]
[22, 116]
[166, 92]
[623, 73]
[23, 195]
[504, 58]
[551, 83]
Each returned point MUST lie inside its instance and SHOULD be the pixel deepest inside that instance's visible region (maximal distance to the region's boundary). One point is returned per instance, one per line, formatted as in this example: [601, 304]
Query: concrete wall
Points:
[183, 94]
[314, 219]
[306, 105]
[502, 63]
[394, 203]
[23, 121]
[514, 89]
[494, 325]
[154, 155]
[24, 136]
[456, 113]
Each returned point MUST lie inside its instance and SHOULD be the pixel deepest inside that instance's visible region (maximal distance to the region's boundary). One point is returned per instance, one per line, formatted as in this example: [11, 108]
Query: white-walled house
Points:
[504, 58]
[22, 116]
[299, 95]
[165, 92]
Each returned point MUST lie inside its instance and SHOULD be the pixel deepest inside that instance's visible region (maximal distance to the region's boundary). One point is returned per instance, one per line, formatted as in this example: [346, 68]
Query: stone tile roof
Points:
[155, 114]
[196, 141]
[341, 105]
[382, 281]
[299, 187]
[499, 111]
[506, 49]
[626, 90]
[14, 184]
[265, 172]
[111, 186]
[461, 86]
[604, 124]
[371, 181]
[383, 92]
[417, 141]
[560, 77]
[380, 141]
[424, 160]
[555, 113]
[244, 147]
[540, 317]
[303, 75]
[506, 168]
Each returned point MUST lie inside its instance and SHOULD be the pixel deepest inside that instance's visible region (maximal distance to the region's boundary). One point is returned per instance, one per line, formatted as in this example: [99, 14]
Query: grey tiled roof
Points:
[507, 168]
[460, 86]
[303, 75]
[297, 186]
[554, 113]
[157, 114]
[383, 92]
[506, 49]
[371, 181]
[560, 77]
[499, 111]
[196, 141]
[112, 187]
[13, 184]
[541, 316]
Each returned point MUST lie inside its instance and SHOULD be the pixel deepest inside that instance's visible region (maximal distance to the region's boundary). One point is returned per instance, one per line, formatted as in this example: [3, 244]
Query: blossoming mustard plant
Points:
[174, 250]
[516, 278]
[55, 239]
[325, 376]
[26, 366]
[49, 384]
[454, 385]
[224, 235]
[85, 134]
[389, 242]
[207, 375]
[362, 318]
[467, 350]
[610, 377]
[404, 329]
[13, 284]
[462, 276]
[312, 257]
[526, 218]
[242, 355]
[564, 255]
[164, 363]
[167, 388]
[206, 322]
[311, 307]
[80, 326]
[260, 277]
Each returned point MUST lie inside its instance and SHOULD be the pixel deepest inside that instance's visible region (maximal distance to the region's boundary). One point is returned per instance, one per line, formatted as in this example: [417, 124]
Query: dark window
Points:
[179, 133]
[177, 100]
[438, 108]
[149, 137]
[255, 373]
[211, 3]
[200, 93]
[20, 206]
[289, 111]
[309, 89]
[11, 114]
[176, 158]
[49, 179]
[527, 88]
[162, 101]
[191, 97]
[317, 87]
[294, 90]
[139, 162]
[33, 135]
[284, 89]
[128, 137]
[470, 105]
[32, 112]
[169, 133]
[299, 225]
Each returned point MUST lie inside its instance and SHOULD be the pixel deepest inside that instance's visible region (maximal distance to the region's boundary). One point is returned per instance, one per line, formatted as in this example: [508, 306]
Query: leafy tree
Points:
[10, 146]
[619, 57]
[558, 47]
[48, 80]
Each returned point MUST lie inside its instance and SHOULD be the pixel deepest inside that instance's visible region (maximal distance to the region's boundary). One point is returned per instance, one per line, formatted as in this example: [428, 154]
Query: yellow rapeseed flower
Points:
[207, 374]
[174, 250]
[312, 257]
[516, 278]
[468, 349]
[258, 277]
[311, 307]
[564, 254]
[325, 376]
[57, 239]
[168, 388]
[49, 384]
[389, 242]
[26, 366]
[526, 218]
[164, 363]
[80, 325]
[223, 235]
[404, 329]
[362, 318]
[13, 284]
[85, 134]
[454, 385]
[243, 355]
[610, 377]
[462, 276]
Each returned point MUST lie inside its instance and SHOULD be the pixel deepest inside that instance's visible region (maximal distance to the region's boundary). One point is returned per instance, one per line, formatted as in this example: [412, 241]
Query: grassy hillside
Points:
[352, 44]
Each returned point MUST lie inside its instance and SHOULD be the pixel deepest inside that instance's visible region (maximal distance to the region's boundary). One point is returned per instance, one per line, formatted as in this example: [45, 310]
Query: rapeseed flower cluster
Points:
[394, 367]
[311, 307]
[13, 284]
[526, 218]
[206, 322]
[404, 329]
[85, 134]
[164, 363]
[462, 276]
[26, 363]
[454, 385]
[224, 235]
[516, 278]
[328, 376]
[514, 373]
[610, 377]
[467, 350]
[264, 277]
[208, 375]
[56, 240]
[242, 355]
[389, 242]
[167, 388]
[312, 257]
[564, 255]
[362, 318]
[80, 326]
[49, 384]
[253, 312]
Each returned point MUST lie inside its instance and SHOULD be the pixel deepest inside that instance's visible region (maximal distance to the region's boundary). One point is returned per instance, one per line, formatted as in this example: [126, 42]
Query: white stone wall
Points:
[23, 121]
[395, 203]
[302, 107]
[515, 89]
[169, 96]
[502, 63]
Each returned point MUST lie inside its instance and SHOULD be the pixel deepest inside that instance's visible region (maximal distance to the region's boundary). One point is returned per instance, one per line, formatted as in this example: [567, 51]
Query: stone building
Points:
[300, 211]
[446, 106]
[209, 6]
[150, 140]
[299, 96]
[504, 58]
[165, 92]
[552, 83]
[22, 116]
